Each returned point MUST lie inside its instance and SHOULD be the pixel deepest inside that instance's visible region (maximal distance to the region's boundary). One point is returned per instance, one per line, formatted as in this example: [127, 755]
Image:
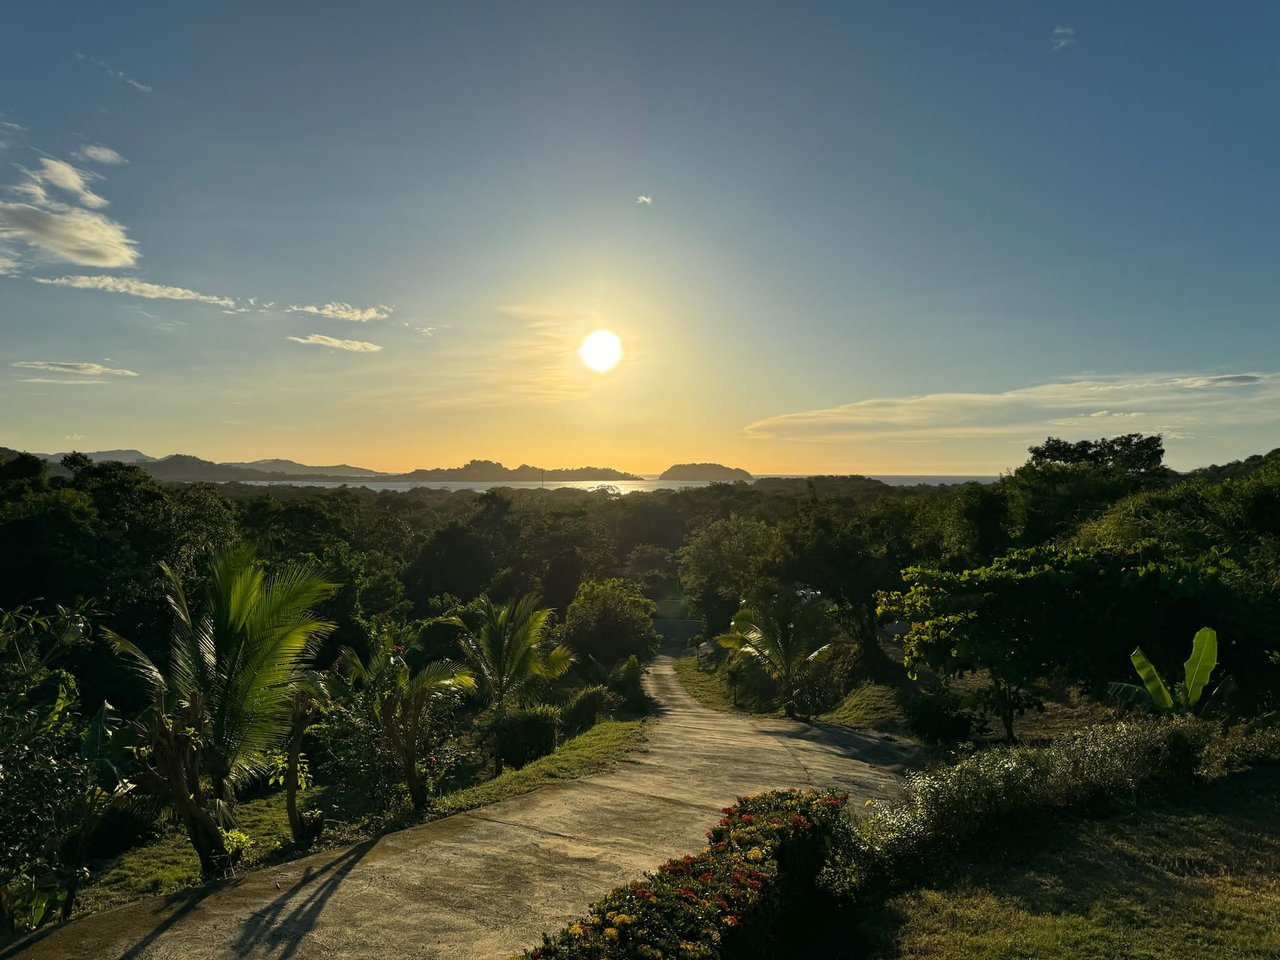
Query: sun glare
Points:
[600, 351]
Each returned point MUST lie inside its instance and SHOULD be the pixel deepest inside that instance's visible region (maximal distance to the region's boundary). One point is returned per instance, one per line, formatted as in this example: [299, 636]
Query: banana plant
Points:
[1184, 696]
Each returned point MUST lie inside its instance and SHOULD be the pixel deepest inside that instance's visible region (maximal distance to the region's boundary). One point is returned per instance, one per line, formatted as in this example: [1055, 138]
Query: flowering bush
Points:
[761, 859]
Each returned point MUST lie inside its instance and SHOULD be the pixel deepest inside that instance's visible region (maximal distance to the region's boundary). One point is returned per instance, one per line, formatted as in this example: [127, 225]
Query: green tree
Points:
[785, 637]
[1064, 484]
[503, 643]
[608, 621]
[726, 562]
[60, 774]
[402, 700]
[223, 703]
[830, 549]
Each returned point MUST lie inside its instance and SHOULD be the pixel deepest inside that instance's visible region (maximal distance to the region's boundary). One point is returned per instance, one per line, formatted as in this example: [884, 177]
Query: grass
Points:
[589, 752]
[1197, 877]
[168, 863]
[872, 706]
[711, 689]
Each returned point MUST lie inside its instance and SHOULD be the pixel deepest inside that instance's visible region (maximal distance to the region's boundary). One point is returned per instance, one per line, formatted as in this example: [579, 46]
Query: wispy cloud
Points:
[54, 212]
[644, 201]
[62, 382]
[73, 369]
[344, 311]
[97, 153]
[10, 132]
[354, 346]
[136, 288]
[69, 234]
[65, 177]
[1063, 37]
[1175, 404]
[115, 74]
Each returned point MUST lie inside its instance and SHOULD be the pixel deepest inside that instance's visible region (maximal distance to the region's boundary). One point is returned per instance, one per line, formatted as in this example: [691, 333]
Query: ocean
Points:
[647, 485]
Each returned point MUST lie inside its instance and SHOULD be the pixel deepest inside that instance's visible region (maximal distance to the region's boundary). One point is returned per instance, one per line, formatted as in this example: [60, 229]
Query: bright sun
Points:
[601, 351]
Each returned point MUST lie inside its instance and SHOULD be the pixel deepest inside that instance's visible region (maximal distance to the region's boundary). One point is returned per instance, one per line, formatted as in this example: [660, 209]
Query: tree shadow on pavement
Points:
[278, 928]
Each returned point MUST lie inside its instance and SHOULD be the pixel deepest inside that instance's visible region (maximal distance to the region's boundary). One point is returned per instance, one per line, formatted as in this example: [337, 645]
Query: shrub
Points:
[584, 708]
[944, 809]
[527, 733]
[238, 844]
[939, 717]
[723, 902]
[1238, 748]
[626, 681]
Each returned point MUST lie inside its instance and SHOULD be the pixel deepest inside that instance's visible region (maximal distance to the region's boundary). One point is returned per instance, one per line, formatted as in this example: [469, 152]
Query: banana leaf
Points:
[1151, 679]
[1200, 665]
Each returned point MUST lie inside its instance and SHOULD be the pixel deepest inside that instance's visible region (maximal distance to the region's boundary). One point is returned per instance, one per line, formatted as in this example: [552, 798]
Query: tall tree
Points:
[223, 702]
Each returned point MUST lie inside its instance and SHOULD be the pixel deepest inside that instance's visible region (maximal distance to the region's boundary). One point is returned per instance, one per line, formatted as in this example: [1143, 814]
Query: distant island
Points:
[489, 471]
[705, 471]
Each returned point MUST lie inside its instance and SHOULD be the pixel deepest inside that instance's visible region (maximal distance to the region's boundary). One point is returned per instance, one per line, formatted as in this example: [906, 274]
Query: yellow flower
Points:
[611, 932]
[577, 929]
[755, 853]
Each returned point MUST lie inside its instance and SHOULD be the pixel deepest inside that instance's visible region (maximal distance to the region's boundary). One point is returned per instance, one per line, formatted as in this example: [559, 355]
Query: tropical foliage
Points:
[504, 645]
[1185, 696]
[223, 703]
[402, 700]
[784, 637]
[965, 608]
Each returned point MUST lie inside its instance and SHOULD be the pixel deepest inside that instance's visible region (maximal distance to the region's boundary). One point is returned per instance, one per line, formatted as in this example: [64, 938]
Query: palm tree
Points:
[503, 644]
[311, 698]
[779, 639]
[223, 704]
[401, 700]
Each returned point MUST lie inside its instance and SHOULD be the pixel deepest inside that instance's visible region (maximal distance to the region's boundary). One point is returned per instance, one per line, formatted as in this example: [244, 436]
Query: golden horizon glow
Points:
[601, 350]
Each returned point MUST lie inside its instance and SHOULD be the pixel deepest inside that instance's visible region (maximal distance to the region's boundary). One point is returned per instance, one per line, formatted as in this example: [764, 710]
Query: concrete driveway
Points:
[485, 884]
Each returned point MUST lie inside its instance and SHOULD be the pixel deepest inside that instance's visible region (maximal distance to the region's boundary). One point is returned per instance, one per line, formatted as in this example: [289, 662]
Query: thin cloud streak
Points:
[116, 74]
[97, 153]
[77, 369]
[352, 346]
[1177, 404]
[63, 382]
[344, 311]
[135, 288]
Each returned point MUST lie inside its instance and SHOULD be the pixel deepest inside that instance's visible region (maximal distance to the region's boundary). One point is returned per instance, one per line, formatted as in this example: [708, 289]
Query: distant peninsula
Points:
[490, 471]
[705, 471]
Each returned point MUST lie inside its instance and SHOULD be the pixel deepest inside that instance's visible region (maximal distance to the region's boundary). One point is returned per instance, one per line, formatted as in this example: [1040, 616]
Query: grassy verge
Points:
[168, 863]
[590, 752]
[711, 689]
[872, 706]
[1198, 876]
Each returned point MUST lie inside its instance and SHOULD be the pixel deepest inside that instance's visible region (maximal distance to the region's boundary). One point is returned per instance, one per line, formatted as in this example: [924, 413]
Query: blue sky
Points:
[882, 237]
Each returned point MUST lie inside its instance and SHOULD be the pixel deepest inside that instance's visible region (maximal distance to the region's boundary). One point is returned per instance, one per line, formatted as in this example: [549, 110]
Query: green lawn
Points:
[168, 863]
[1196, 878]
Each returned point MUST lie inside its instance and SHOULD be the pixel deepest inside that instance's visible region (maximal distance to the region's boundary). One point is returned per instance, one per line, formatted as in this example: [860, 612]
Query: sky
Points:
[849, 237]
